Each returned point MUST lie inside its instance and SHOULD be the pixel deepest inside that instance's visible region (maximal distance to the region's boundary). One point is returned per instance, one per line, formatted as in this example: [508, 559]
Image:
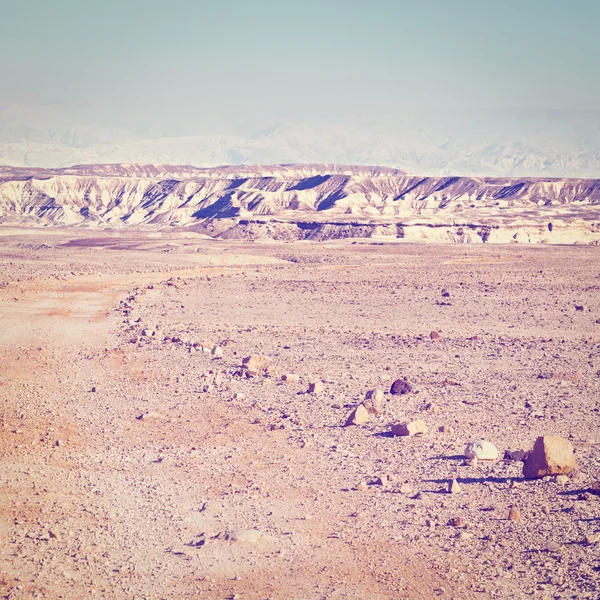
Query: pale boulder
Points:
[481, 450]
[453, 487]
[551, 455]
[358, 416]
[315, 387]
[374, 402]
[254, 365]
[417, 427]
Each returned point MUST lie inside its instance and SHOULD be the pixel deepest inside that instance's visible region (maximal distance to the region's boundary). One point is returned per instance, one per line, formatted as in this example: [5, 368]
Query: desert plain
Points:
[139, 459]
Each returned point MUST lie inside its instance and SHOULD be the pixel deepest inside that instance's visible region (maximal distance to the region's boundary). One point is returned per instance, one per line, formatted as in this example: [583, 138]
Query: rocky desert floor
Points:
[138, 459]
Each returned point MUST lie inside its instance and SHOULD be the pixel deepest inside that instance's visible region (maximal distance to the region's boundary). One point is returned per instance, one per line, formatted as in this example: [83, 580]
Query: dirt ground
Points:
[136, 462]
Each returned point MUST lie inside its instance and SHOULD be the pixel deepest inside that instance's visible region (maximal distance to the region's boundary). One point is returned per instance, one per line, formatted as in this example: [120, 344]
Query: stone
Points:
[400, 387]
[553, 547]
[239, 396]
[591, 539]
[358, 416]
[514, 514]
[577, 476]
[290, 378]
[482, 450]
[595, 488]
[515, 455]
[362, 486]
[434, 335]
[455, 522]
[383, 480]
[373, 402]
[561, 479]
[217, 352]
[453, 487]
[551, 455]
[315, 387]
[254, 365]
[446, 429]
[417, 427]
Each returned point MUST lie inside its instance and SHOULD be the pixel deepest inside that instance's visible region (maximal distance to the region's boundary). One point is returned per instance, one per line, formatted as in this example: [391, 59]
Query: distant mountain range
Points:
[515, 143]
[308, 201]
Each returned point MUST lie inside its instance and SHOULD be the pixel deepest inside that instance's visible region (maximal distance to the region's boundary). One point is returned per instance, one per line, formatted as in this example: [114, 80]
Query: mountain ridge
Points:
[511, 142]
[246, 199]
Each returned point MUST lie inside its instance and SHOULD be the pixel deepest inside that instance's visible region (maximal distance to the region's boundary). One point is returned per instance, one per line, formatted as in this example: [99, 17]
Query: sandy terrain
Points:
[251, 488]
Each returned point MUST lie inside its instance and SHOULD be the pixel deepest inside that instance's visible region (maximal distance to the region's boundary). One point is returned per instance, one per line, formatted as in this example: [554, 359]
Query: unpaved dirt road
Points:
[134, 463]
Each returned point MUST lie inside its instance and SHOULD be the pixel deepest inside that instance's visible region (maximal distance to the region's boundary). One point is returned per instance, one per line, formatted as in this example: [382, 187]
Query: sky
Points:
[257, 61]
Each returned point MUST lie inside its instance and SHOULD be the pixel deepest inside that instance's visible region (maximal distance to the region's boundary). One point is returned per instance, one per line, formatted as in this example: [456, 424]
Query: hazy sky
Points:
[260, 60]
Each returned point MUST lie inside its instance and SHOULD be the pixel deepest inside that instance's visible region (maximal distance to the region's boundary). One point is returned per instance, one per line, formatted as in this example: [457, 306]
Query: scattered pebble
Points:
[514, 514]
[553, 547]
[315, 387]
[453, 487]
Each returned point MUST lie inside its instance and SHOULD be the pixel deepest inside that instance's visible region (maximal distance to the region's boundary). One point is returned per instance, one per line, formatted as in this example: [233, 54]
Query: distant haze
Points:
[510, 87]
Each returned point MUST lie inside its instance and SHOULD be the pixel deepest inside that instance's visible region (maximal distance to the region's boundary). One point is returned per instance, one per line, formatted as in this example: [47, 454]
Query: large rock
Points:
[411, 428]
[551, 455]
[481, 450]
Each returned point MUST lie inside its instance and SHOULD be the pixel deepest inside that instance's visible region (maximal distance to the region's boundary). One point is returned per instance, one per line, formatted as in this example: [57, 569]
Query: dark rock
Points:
[400, 387]
[516, 455]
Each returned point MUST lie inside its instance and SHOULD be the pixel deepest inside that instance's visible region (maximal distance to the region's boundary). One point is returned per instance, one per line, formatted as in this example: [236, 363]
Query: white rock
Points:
[453, 487]
[316, 387]
[481, 450]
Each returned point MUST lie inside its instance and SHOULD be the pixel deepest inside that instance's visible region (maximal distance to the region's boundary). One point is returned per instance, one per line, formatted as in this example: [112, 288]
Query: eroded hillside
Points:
[305, 201]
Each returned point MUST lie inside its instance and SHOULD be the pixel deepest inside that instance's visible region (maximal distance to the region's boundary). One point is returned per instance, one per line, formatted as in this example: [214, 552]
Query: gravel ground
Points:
[138, 459]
